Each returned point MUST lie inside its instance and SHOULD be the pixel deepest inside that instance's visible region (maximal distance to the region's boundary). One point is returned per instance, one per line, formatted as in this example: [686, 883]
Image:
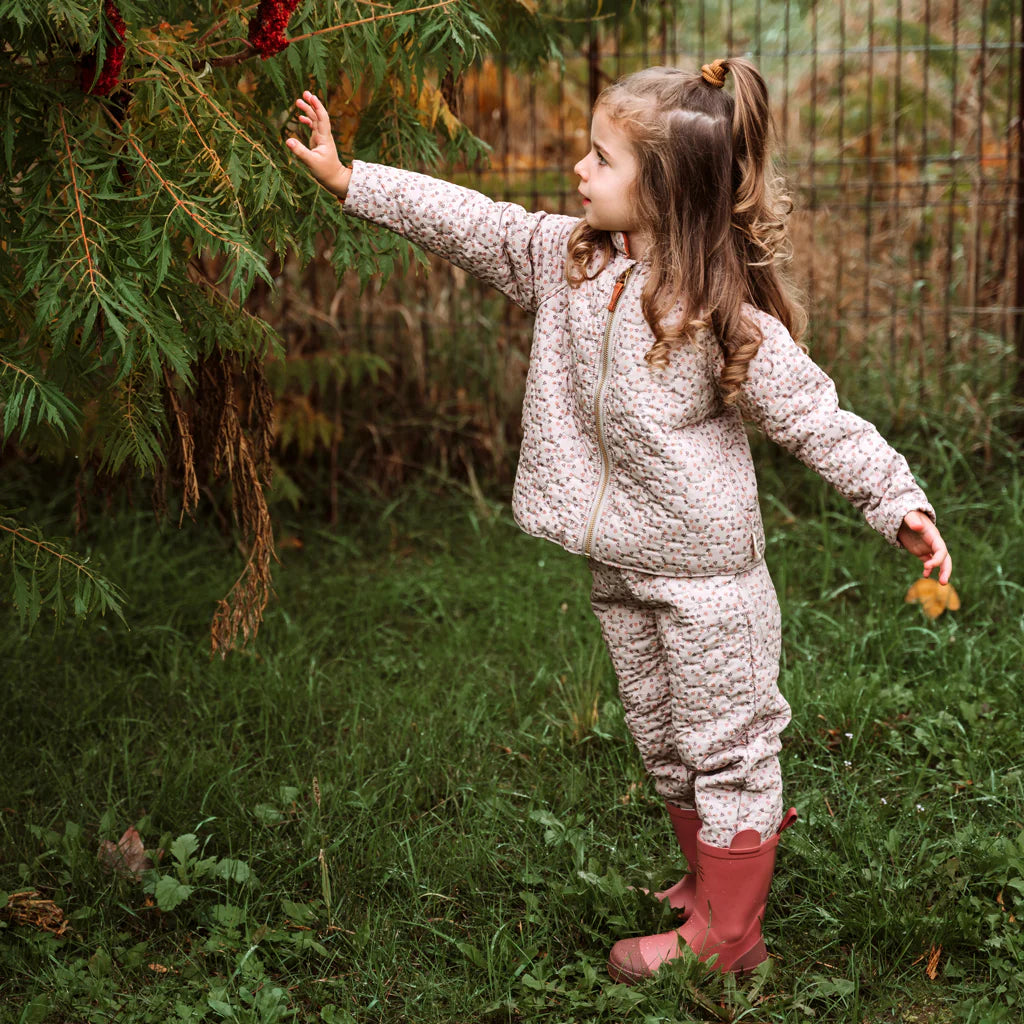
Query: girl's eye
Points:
[600, 158]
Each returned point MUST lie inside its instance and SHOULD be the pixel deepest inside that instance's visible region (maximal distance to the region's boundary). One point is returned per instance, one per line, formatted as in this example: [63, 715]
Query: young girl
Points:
[662, 322]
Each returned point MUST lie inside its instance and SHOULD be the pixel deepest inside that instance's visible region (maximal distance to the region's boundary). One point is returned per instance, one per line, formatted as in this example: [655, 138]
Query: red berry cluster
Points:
[110, 74]
[266, 30]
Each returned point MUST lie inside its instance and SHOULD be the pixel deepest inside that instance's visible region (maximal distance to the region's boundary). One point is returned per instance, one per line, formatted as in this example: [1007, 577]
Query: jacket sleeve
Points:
[795, 403]
[521, 254]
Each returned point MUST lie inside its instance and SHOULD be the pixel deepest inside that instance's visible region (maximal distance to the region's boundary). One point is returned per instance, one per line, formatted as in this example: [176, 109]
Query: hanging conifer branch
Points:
[188, 82]
[28, 399]
[188, 209]
[211, 155]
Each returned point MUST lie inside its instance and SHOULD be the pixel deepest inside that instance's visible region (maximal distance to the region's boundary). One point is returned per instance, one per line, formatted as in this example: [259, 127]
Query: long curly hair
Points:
[707, 197]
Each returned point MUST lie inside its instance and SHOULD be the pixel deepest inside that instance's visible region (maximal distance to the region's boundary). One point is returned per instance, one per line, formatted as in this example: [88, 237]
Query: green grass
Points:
[481, 809]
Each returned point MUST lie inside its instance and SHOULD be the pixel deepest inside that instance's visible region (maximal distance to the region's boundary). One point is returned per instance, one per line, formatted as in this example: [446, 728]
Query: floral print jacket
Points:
[632, 466]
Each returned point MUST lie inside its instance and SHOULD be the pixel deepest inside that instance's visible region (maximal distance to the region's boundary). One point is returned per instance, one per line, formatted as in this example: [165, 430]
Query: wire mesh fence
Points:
[901, 127]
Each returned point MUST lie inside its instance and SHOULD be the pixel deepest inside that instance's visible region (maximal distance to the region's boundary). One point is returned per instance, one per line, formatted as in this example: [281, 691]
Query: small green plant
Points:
[191, 871]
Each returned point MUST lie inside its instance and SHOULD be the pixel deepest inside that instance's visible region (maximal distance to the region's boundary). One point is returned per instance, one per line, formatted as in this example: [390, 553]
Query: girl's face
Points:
[606, 175]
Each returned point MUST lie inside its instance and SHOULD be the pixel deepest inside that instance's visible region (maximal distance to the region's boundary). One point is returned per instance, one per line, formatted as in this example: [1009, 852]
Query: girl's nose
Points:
[578, 169]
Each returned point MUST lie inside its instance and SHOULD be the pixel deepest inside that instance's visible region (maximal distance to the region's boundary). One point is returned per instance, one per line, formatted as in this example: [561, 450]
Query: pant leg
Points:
[630, 628]
[721, 638]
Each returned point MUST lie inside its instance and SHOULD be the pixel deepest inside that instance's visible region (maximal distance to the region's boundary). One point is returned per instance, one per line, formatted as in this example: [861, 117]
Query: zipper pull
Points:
[618, 289]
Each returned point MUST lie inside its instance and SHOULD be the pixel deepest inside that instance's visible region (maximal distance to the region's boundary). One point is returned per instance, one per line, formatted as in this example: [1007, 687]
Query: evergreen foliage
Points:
[43, 573]
[145, 189]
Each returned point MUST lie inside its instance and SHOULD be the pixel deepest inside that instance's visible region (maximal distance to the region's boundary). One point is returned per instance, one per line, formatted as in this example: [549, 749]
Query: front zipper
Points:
[602, 382]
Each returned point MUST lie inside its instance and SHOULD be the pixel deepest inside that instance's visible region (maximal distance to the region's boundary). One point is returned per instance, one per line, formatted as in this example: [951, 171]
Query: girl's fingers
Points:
[926, 542]
[299, 150]
[312, 110]
[315, 106]
[314, 114]
[940, 559]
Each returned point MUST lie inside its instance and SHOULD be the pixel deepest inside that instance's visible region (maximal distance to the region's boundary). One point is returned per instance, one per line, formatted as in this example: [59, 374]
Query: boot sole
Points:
[742, 965]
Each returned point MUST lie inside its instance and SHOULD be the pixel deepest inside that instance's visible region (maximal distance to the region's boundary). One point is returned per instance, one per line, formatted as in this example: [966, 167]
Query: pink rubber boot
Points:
[685, 824]
[729, 904]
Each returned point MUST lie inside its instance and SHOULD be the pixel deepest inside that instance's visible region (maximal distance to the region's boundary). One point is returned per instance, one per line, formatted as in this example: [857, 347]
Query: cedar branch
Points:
[197, 275]
[203, 95]
[17, 369]
[212, 154]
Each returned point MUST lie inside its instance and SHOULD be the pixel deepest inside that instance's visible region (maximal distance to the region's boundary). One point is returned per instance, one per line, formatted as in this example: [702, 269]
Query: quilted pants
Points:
[697, 661]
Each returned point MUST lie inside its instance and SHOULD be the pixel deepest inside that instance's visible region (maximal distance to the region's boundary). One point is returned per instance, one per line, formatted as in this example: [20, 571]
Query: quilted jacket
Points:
[632, 466]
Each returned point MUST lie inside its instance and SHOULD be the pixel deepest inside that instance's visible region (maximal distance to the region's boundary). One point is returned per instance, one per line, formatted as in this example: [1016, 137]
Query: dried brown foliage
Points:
[225, 434]
[179, 421]
[128, 857]
[245, 462]
[30, 909]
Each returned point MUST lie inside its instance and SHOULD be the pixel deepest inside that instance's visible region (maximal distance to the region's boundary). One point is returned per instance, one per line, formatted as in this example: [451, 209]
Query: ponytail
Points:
[760, 208]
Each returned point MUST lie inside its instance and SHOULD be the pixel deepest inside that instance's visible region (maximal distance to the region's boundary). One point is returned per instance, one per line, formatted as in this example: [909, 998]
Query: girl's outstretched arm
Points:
[321, 157]
[920, 537]
[520, 253]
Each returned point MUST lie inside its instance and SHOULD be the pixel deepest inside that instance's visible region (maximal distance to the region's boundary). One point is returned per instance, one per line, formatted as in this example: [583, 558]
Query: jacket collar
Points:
[620, 243]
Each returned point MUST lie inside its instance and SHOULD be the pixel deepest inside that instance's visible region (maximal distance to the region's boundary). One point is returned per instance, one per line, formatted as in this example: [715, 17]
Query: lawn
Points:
[413, 798]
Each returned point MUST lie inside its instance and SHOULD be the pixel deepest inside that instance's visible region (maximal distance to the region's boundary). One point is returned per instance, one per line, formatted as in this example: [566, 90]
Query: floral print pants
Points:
[697, 661]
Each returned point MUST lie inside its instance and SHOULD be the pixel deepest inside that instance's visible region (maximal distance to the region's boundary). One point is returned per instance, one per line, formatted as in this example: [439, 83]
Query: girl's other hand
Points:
[321, 157]
[920, 537]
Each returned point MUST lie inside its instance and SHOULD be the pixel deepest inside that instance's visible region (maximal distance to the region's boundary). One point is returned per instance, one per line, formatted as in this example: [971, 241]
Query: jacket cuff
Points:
[359, 189]
[889, 525]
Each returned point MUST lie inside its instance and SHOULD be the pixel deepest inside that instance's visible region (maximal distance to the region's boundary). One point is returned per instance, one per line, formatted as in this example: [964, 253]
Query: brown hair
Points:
[707, 197]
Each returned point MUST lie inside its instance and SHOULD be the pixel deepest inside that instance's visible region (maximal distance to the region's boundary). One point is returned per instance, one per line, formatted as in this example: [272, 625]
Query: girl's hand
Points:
[920, 537]
[322, 155]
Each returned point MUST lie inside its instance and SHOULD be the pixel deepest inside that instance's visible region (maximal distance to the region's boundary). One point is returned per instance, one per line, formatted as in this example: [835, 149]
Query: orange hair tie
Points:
[714, 73]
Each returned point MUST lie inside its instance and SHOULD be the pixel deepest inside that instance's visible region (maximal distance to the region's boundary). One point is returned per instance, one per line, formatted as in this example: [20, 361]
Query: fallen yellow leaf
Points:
[933, 597]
